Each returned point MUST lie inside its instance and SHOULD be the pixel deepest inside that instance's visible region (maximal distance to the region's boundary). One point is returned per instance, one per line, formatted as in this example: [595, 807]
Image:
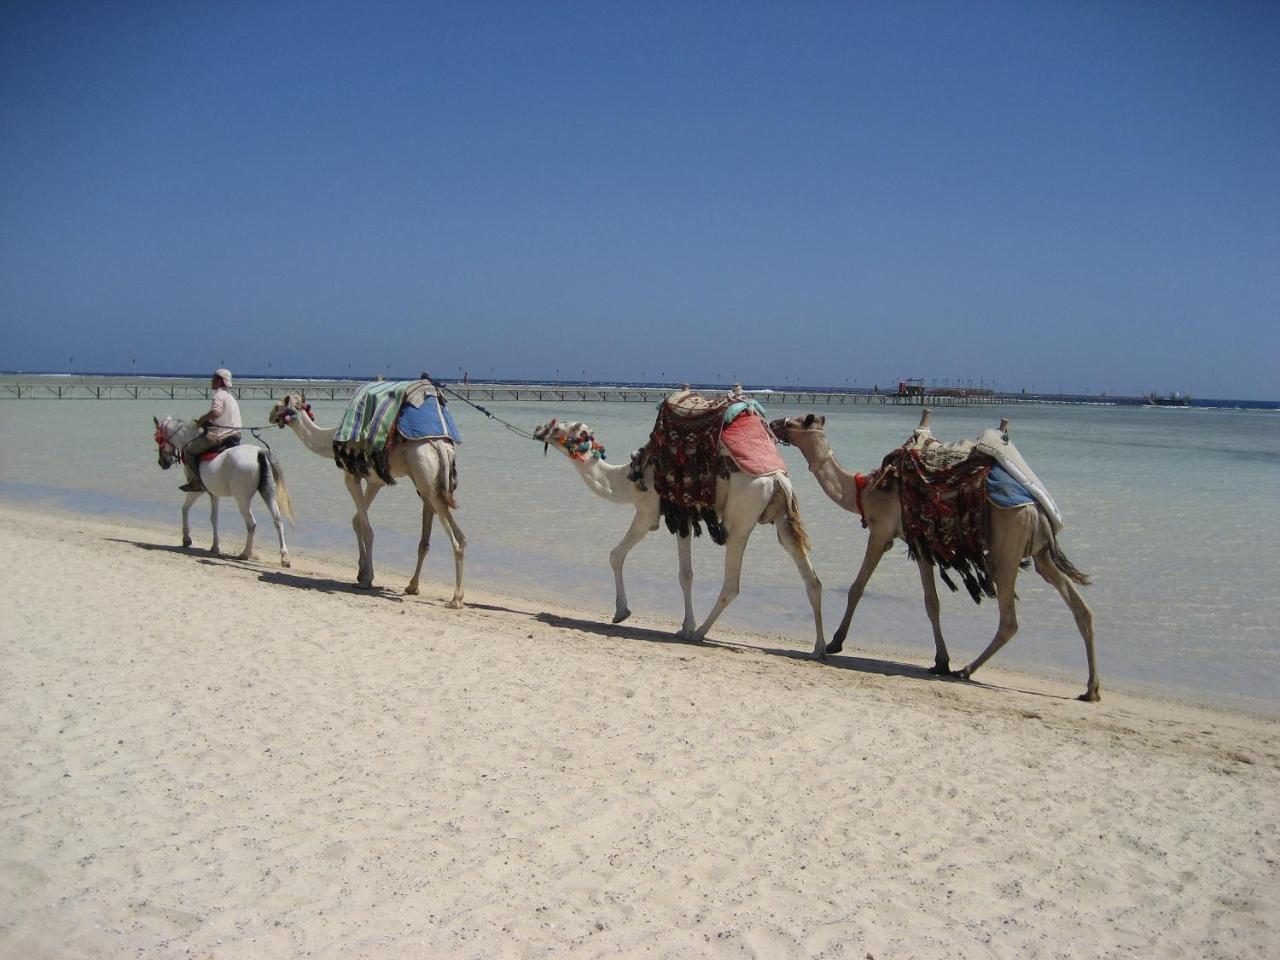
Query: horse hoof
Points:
[941, 670]
[284, 562]
[244, 556]
[186, 541]
[619, 617]
[411, 589]
[454, 605]
[1090, 696]
[363, 586]
[820, 656]
[961, 674]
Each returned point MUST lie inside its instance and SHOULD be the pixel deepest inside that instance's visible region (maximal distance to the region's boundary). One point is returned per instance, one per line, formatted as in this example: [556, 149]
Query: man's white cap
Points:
[225, 374]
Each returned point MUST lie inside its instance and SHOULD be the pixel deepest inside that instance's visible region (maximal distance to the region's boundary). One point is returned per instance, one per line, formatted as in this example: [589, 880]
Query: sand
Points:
[209, 757]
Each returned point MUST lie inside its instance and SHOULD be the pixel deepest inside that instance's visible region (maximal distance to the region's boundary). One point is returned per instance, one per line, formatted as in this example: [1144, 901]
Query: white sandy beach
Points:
[216, 758]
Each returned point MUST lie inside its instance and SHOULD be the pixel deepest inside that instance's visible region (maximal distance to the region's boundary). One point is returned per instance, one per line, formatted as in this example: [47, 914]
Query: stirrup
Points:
[192, 488]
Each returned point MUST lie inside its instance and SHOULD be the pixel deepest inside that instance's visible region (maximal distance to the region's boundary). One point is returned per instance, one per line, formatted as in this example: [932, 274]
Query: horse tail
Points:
[271, 481]
[791, 506]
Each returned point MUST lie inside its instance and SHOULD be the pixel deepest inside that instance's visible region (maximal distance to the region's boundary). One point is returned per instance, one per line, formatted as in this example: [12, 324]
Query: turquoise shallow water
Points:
[1171, 511]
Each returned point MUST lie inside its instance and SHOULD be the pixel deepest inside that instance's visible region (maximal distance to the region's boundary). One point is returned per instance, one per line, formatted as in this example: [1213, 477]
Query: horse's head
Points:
[786, 428]
[168, 450]
[575, 439]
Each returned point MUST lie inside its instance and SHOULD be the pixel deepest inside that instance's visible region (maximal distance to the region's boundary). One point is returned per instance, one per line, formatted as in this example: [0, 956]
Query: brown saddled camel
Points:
[1012, 535]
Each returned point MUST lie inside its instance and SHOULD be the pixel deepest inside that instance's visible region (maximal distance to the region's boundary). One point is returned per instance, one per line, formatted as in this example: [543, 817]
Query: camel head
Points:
[575, 439]
[792, 429]
[286, 411]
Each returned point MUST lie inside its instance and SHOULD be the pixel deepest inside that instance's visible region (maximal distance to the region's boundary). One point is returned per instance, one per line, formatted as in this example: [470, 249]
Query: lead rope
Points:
[518, 431]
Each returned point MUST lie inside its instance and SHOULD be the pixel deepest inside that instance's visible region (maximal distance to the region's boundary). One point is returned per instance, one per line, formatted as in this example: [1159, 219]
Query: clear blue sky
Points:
[1075, 195]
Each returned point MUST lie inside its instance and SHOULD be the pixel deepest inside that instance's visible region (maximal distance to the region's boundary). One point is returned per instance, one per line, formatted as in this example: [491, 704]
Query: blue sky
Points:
[1078, 196]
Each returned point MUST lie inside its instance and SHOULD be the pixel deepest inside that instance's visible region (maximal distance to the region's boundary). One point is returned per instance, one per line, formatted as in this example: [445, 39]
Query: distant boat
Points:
[1172, 400]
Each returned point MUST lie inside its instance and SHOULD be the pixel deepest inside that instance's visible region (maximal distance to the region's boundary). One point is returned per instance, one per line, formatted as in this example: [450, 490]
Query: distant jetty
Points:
[132, 387]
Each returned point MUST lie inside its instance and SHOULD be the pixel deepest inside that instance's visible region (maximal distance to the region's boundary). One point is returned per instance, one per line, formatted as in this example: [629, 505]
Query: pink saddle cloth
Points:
[751, 445]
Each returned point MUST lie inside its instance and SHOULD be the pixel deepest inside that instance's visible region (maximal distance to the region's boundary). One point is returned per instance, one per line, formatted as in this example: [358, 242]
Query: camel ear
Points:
[156, 419]
[822, 420]
[808, 420]
[286, 401]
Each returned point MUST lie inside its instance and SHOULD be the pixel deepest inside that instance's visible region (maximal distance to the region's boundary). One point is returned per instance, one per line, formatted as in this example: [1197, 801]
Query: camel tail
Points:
[792, 508]
[272, 478]
[1064, 565]
[447, 476]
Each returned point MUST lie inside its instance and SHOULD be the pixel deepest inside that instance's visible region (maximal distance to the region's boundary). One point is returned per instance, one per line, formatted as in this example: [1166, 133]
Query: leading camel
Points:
[743, 501]
[429, 463]
[1012, 534]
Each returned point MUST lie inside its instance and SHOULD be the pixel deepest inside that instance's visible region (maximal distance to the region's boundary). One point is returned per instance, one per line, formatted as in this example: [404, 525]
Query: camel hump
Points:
[996, 444]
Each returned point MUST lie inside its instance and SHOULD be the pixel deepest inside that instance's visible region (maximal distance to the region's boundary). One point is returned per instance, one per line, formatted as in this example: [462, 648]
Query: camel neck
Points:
[316, 440]
[606, 480]
[836, 482]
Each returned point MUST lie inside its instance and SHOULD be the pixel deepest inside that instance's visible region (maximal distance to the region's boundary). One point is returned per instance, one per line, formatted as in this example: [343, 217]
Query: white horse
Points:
[238, 472]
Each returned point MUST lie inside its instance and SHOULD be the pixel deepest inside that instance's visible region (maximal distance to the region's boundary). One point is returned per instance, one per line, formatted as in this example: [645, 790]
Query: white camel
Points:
[239, 472]
[1012, 534]
[743, 501]
[429, 463]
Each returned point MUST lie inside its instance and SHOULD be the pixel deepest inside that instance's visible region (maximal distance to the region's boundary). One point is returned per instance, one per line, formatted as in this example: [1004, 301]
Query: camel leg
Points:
[941, 659]
[734, 547]
[1004, 576]
[876, 548]
[459, 543]
[424, 544]
[250, 526]
[216, 549]
[639, 529]
[684, 549]
[812, 585]
[186, 517]
[1080, 610]
[362, 493]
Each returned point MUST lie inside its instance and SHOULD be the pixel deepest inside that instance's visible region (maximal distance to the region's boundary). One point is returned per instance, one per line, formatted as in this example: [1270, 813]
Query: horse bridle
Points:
[166, 460]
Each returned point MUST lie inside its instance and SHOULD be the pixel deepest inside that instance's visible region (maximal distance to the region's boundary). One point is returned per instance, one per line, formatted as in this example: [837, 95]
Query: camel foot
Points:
[1090, 696]
[186, 541]
[619, 617]
[454, 604]
[835, 646]
[964, 674]
[412, 588]
[244, 556]
[362, 585]
[941, 668]
[284, 561]
[820, 655]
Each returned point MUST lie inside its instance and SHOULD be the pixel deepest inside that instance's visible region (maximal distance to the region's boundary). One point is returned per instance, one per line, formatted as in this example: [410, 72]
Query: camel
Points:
[743, 501]
[237, 472]
[1012, 535]
[428, 463]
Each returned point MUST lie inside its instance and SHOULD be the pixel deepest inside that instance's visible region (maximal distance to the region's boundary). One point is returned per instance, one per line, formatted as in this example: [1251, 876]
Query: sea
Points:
[1171, 511]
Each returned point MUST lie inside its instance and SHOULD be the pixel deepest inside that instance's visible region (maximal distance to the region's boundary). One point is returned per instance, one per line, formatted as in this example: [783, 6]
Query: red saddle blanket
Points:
[752, 446]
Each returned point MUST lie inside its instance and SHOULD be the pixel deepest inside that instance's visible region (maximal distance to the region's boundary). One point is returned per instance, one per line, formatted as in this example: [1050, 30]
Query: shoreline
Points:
[300, 767]
[339, 564]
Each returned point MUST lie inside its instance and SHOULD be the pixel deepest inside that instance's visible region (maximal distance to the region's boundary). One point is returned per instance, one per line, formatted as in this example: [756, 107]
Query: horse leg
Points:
[734, 547]
[186, 517]
[877, 546]
[1080, 610]
[941, 659]
[278, 520]
[245, 503]
[213, 520]
[684, 548]
[812, 585]
[640, 526]
[1004, 576]
[424, 544]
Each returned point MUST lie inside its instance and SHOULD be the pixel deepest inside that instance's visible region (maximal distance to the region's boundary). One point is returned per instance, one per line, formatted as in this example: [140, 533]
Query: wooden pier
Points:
[18, 387]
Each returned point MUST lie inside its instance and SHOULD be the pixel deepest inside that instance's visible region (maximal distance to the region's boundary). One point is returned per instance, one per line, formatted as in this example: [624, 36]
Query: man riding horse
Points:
[221, 425]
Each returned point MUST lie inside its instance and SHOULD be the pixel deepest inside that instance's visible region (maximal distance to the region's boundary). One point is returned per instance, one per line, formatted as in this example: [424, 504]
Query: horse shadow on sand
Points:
[840, 661]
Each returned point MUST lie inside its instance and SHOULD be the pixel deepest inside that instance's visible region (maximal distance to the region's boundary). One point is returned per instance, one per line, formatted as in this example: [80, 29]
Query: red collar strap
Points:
[860, 482]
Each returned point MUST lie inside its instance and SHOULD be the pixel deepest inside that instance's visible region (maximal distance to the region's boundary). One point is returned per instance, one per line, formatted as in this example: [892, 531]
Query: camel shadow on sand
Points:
[839, 661]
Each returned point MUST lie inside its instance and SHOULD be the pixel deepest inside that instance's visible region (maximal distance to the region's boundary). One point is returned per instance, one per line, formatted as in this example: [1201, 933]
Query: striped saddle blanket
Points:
[382, 411]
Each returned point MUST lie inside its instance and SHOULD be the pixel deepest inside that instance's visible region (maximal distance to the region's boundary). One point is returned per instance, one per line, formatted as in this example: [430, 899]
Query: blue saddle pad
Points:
[1004, 491]
[429, 420]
